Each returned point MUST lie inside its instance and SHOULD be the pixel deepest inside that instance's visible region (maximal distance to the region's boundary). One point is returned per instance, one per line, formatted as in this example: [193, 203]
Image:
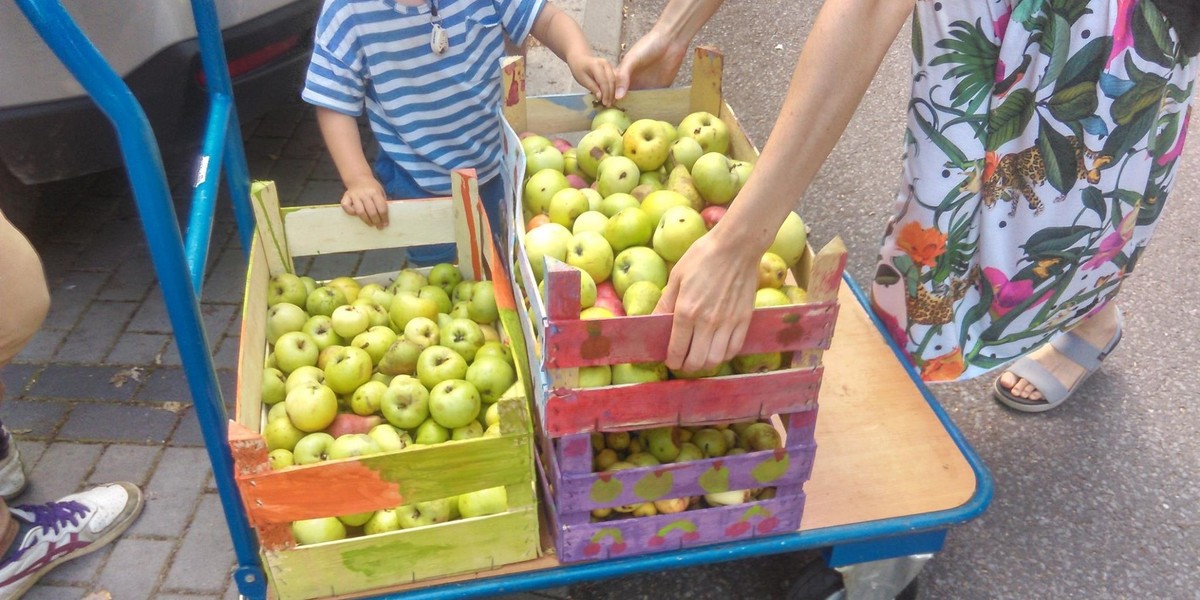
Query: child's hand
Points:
[366, 199]
[596, 75]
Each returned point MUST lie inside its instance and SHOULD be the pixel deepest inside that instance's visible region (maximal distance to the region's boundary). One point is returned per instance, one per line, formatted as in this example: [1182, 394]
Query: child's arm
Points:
[364, 195]
[562, 35]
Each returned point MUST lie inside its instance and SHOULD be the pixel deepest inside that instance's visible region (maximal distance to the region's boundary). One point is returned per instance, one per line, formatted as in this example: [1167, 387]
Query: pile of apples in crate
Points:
[625, 203]
[615, 451]
[354, 370]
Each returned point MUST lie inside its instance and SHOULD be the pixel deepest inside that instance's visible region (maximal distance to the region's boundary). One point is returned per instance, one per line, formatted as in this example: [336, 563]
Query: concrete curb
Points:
[601, 22]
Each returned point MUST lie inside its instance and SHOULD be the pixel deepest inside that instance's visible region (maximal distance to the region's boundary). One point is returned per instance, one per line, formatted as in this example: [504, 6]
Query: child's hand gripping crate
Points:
[560, 343]
[276, 498]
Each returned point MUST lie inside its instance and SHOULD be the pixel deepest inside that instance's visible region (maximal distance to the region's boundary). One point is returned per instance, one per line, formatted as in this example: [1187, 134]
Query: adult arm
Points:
[654, 60]
[562, 35]
[711, 289]
[364, 195]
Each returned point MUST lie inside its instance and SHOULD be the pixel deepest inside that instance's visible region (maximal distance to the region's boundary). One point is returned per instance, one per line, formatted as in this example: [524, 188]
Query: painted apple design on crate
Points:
[596, 544]
[715, 479]
[743, 525]
[606, 488]
[654, 485]
[773, 468]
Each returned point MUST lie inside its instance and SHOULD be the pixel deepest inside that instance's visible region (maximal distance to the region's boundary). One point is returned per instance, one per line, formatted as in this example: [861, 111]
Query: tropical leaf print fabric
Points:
[1042, 145]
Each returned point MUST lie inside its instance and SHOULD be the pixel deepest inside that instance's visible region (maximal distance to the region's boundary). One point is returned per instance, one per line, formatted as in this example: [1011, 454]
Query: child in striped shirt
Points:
[428, 73]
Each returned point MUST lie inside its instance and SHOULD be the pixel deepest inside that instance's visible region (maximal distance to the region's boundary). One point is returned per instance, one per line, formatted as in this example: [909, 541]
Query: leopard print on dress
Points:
[1015, 175]
[927, 308]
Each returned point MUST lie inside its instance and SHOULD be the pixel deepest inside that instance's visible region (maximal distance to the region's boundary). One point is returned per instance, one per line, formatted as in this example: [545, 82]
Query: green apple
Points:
[469, 431]
[491, 414]
[772, 271]
[596, 145]
[408, 280]
[347, 369]
[311, 407]
[596, 312]
[541, 187]
[351, 445]
[761, 436]
[280, 434]
[484, 502]
[376, 313]
[282, 318]
[382, 521]
[770, 297]
[422, 514]
[742, 169]
[683, 152]
[589, 220]
[463, 336]
[274, 386]
[462, 291]
[400, 358]
[757, 363]
[320, 329]
[566, 205]
[310, 284]
[389, 437]
[308, 374]
[430, 432]
[445, 276]
[286, 287]
[532, 142]
[544, 158]
[663, 443]
[376, 293]
[438, 296]
[375, 341]
[549, 240]
[313, 448]
[614, 116]
[796, 294]
[324, 299]
[658, 203]
[678, 229]
[635, 264]
[349, 320]
[641, 298]
[791, 239]
[439, 363]
[454, 403]
[422, 331]
[295, 349]
[715, 179]
[278, 411]
[356, 519]
[349, 286]
[597, 376]
[483, 309]
[590, 252]
[617, 174]
[647, 144]
[280, 458]
[629, 227]
[316, 531]
[711, 441]
[368, 398]
[571, 163]
[642, 372]
[594, 199]
[405, 403]
[490, 333]
[587, 289]
[706, 128]
[615, 203]
[491, 376]
[496, 349]
[407, 306]
[461, 310]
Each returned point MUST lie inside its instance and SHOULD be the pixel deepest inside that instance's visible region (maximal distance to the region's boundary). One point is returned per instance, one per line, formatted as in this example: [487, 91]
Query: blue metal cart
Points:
[878, 552]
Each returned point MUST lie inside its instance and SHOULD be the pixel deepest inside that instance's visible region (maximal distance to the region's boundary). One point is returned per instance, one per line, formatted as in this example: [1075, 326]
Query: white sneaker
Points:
[12, 470]
[70, 527]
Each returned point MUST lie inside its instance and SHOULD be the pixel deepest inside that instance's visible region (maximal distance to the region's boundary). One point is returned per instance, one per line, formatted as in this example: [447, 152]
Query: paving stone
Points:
[226, 356]
[173, 492]
[123, 462]
[16, 377]
[69, 298]
[152, 316]
[97, 332]
[57, 259]
[104, 422]
[216, 319]
[133, 569]
[289, 175]
[61, 470]
[325, 170]
[268, 147]
[165, 384]
[115, 241]
[328, 266]
[45, 591]
[31, 450]
[226, 280]
[321, 192]
[43, 345]
[35, 418]
[132, 280]
[305, 141]
[203, 561]
[187, 432]
[184, 596]
[381, 261]
[80, 381]
[78, 572]
[138, 349]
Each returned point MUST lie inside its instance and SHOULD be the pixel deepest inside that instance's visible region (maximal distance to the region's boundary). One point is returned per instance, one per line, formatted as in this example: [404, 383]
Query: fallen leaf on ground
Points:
[134, 373]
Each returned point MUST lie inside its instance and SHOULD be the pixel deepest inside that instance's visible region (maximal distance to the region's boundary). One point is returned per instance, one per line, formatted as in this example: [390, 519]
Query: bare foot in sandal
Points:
[1098, 331]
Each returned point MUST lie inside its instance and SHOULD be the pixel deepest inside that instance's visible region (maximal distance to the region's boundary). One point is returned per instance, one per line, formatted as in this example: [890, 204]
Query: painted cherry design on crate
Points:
[594, 547]
[618, 548]
[591, 549]
[737, 529]
[768, 524]
[656, 541]
[691, 537]
[687, 527]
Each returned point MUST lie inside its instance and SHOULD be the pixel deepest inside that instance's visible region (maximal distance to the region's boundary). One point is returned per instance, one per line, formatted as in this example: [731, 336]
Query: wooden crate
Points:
[559, 343]
[273, 499]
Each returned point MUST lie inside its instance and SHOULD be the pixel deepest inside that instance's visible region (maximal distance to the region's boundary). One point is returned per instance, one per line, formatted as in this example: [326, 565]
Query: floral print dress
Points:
[1042, 144]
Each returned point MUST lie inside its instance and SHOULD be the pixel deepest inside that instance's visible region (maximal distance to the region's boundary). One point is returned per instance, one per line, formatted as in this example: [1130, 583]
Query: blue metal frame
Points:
[180, 267]
[180, 272]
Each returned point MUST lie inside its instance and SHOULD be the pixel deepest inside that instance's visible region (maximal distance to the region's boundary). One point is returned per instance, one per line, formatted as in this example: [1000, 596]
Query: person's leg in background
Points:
[36, 538]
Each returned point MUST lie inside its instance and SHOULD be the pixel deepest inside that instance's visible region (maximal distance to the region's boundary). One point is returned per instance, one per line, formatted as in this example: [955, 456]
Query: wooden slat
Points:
[249, 452]
[327, 229]
[513, 79]
[252, 343]
[677, 401]
[705, 92]
[269, 226]
[741, 147]
[824, 281]
[644, 338]
[466, 209]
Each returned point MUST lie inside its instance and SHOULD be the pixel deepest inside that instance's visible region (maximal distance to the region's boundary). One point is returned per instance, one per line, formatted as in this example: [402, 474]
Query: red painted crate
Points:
[559, 343]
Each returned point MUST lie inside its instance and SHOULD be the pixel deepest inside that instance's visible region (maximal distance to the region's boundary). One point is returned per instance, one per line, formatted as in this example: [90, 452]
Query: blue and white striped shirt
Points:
[431, 113]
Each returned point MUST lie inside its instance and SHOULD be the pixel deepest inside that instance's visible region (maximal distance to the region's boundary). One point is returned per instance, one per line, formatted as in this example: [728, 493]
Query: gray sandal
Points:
[1053, 392]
